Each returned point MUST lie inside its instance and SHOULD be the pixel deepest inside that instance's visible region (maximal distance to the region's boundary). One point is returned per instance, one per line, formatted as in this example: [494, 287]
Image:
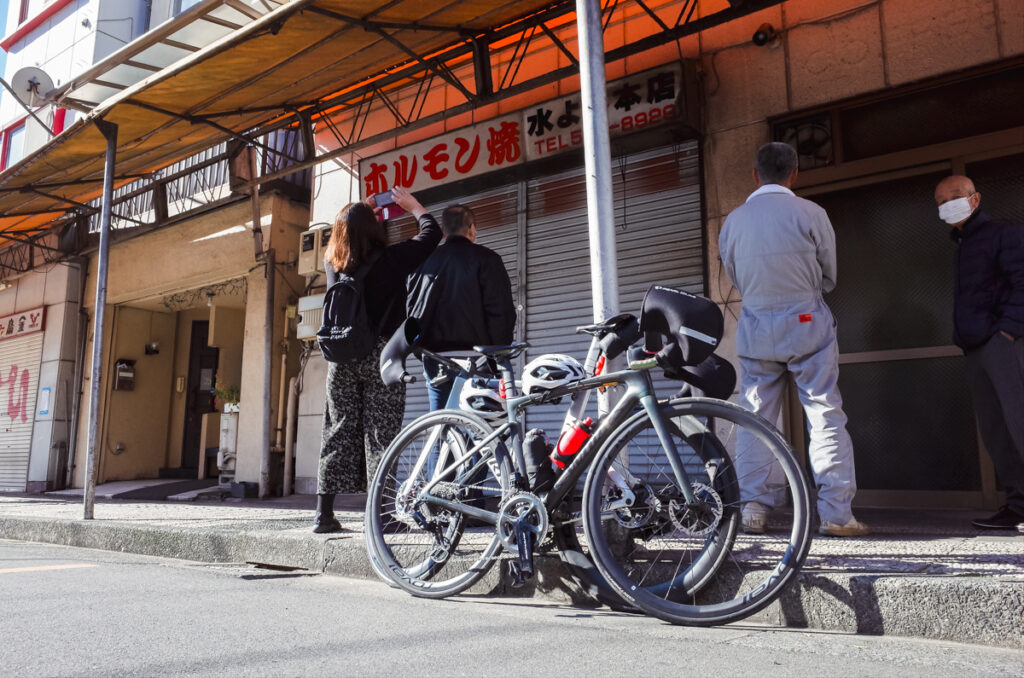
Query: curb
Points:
[979, 610]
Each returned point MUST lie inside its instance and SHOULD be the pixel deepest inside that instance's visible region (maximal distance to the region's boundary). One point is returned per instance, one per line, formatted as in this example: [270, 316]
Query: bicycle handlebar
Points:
[647, 364]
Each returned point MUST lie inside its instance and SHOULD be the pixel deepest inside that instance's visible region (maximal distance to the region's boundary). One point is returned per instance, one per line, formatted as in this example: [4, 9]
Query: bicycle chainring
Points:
[525, 507]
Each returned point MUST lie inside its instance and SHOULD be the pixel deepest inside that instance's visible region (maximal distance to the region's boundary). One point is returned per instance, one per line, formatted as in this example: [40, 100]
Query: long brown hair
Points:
[354, 237]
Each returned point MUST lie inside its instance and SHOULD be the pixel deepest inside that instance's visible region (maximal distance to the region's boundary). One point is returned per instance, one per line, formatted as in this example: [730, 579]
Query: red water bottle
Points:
[570, 442]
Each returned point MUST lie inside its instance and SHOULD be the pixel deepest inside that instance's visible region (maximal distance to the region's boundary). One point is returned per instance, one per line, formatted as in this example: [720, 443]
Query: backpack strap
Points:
[361, 274]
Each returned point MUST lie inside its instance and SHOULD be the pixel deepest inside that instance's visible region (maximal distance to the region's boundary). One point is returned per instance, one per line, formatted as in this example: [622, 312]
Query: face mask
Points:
[955, 211]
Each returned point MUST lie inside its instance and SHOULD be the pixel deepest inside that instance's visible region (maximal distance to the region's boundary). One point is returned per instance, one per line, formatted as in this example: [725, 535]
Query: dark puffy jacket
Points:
[989, 293]
[461, 297]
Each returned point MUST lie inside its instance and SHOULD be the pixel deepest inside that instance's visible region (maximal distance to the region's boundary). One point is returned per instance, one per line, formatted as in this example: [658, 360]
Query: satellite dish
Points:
[31, 85]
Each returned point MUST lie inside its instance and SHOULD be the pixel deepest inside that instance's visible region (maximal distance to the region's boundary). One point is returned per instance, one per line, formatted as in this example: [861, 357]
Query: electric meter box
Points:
[311, 311]
[312, 244]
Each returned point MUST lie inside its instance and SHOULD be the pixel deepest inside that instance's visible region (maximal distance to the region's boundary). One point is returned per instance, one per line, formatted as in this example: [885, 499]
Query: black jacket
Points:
[461, 297]
[989, 292]
[385, 282]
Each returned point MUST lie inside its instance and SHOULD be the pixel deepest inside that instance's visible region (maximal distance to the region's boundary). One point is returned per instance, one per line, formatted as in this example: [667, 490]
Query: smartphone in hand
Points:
[384, 199]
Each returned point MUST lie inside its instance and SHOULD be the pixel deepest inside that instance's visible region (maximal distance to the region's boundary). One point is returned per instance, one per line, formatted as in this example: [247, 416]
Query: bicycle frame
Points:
[639, 390]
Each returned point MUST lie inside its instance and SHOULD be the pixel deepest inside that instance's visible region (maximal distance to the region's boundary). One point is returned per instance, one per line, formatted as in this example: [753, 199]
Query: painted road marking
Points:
[45, 568]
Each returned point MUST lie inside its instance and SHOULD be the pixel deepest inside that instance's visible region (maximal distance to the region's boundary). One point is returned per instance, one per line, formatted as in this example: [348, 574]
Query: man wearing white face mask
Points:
[988, 324]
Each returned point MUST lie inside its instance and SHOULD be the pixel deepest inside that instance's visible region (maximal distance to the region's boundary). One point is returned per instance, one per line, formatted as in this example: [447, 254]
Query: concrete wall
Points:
[181, 350]
[134, 441]
[227, 333]
[56, 288]
[289, 220]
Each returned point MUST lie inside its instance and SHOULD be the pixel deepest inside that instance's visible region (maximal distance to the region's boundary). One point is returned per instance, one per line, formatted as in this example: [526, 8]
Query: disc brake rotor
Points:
[699, 520]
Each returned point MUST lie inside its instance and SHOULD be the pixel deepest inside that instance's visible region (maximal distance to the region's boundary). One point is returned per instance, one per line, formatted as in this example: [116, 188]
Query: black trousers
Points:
[995, 372]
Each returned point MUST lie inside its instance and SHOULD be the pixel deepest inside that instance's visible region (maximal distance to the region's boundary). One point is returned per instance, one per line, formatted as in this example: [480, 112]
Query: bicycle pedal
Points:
[518, 581]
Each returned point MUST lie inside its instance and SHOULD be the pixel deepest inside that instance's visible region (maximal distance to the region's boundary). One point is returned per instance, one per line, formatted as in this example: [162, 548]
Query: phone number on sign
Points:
[644, 118]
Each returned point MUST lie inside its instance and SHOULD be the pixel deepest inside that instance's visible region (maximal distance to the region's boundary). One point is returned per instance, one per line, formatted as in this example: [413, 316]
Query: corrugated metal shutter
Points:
[659, 239]
[19, 370]
[497, 228]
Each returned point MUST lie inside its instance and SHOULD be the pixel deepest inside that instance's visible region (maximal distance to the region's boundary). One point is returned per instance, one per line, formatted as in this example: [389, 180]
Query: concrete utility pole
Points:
[604, 276]
[109, 131]
[597, 154]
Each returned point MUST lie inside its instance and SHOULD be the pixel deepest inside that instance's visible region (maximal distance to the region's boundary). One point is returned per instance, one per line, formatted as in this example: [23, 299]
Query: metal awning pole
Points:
[598, 161]
[109, 132]
[604, 277]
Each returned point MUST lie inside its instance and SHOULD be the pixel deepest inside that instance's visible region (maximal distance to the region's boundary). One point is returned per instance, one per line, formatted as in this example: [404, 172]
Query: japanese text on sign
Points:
[635, 102]
[19, 324]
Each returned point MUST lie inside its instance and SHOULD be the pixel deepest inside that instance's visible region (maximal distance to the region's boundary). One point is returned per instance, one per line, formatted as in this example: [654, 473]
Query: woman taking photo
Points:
[362, 415]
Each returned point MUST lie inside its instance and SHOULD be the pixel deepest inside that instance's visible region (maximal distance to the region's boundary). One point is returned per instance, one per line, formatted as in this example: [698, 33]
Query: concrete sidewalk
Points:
[924, 574]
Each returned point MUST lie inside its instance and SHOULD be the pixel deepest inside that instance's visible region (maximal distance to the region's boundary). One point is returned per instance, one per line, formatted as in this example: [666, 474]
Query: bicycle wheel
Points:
[687, 564]
[574, 552]
[426, 549]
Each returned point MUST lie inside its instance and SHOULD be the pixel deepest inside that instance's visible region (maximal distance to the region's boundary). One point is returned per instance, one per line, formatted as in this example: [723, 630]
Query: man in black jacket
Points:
[461, 297]
[988, 324]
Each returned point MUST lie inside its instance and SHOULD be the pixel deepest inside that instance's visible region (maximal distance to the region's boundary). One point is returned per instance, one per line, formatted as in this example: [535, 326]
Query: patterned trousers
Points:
[361, 418]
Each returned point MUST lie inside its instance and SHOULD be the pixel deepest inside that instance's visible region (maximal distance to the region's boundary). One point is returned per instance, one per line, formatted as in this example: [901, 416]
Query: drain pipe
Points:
[268, 358]
[76, 379]
[280, 398]
[289, 435]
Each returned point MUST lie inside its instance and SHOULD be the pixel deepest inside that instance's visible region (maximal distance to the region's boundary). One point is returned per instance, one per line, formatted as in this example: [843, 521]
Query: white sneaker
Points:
[755, 517]
[854, 528]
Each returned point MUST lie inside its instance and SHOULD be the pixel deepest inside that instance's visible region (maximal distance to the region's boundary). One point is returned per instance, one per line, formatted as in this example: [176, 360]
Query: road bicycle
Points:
[662, 482]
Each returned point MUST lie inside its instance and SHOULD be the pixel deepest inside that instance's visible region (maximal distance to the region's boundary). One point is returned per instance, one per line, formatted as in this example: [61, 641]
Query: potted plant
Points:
[228, 395]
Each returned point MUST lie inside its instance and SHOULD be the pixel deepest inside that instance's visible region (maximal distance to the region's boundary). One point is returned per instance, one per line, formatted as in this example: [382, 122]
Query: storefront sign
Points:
[19, 324]
[634, 103]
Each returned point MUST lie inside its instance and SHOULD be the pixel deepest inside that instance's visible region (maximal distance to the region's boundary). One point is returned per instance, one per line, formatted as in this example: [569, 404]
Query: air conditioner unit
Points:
[311, 311]
[311, 249]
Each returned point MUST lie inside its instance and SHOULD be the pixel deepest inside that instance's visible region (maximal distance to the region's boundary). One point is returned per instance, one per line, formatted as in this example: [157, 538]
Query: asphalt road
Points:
[79, 612]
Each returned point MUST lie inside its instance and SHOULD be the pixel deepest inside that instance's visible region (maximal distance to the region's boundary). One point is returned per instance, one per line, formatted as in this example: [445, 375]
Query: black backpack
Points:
[345, 333]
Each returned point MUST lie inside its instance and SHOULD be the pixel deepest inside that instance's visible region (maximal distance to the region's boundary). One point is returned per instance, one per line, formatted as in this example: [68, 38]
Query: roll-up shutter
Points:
[659, 239]
[19, 379]
[497, 226]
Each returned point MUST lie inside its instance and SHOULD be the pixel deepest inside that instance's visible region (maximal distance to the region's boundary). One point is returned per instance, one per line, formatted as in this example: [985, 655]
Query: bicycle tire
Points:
[575, 555]
[413, 554]
[667, 567]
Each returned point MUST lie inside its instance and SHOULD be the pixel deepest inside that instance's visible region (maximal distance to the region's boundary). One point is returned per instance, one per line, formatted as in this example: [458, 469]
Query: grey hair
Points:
[775, 162]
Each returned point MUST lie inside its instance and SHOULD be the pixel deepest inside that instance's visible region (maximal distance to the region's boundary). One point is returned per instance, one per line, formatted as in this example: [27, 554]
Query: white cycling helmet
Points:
[549, 371]
[482, 396]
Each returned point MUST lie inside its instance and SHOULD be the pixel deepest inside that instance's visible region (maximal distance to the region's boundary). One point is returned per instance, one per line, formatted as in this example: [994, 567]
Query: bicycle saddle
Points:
[510, 351]
[605, 326]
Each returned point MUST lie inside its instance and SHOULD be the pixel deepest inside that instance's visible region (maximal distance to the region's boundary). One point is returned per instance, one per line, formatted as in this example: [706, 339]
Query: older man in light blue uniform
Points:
[779, 251]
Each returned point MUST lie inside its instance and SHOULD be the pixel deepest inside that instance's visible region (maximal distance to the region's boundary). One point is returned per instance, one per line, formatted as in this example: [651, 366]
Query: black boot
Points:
[324, 520]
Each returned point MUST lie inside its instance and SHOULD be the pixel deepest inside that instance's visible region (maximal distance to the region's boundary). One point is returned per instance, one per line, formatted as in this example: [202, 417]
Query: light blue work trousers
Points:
[798, 338]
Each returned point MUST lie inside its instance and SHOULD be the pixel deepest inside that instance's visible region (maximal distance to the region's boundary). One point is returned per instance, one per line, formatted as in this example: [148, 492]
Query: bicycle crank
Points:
[526, 511]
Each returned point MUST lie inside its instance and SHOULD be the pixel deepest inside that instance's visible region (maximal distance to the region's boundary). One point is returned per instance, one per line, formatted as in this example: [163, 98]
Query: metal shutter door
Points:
[659, 239]
[497, 228]
[19, 368]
